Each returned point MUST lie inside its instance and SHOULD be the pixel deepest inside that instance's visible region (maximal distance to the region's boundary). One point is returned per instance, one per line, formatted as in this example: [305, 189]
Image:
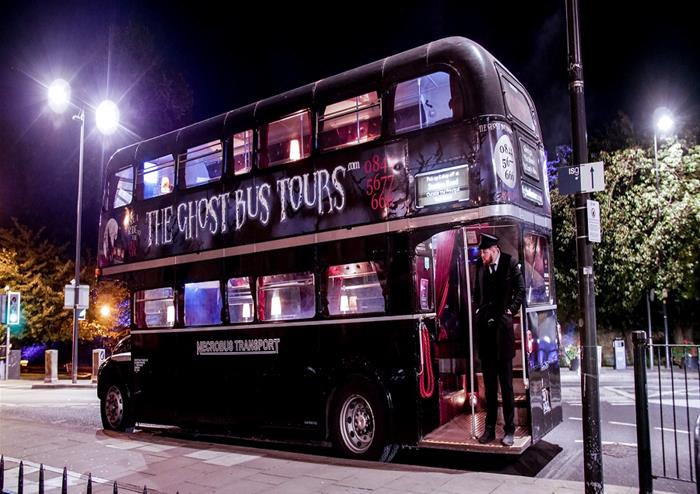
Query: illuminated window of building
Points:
[350, 122]
[286, 297]
[202, 164]
[355, 288]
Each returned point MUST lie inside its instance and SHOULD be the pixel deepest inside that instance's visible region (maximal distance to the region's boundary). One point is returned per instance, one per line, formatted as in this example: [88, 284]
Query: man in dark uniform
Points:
[499, 290]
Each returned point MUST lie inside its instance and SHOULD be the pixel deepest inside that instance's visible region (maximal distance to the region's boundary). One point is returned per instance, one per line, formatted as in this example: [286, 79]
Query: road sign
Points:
[592, 177]
[593, 215]
[586, 178]
[69, 296]
[569, 181]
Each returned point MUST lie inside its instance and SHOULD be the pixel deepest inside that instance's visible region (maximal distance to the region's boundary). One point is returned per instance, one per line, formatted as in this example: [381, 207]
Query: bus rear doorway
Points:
[461, 406]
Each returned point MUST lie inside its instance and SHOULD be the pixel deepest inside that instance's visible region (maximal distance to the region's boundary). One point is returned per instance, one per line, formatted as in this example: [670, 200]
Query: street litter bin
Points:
[620, 361]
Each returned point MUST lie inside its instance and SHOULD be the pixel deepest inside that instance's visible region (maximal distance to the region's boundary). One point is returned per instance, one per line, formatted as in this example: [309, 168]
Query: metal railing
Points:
[671, 425]
[83, 483]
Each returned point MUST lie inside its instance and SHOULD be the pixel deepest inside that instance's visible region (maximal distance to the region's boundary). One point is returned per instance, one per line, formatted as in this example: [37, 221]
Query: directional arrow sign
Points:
[592, 177]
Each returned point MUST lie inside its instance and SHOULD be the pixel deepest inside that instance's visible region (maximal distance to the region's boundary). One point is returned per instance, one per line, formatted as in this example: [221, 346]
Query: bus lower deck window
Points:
[203, 303]
[286, 297]
[356, 288]
[155, 308]
[240, 300]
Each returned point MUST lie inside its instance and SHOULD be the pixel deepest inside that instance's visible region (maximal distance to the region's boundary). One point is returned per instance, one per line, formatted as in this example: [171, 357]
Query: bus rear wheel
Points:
[360, 424]
[115, 409]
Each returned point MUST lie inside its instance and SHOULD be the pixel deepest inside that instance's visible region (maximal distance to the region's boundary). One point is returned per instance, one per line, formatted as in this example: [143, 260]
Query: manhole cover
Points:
[619, 450]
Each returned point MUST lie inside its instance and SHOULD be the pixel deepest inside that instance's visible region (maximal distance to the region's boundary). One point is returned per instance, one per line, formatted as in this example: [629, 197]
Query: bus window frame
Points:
[229, 157]
[177, 306]
[319, 118]
[182, 161]
[140, 173]
[111, 196]
[458, 112]
[503, 77]
[262, 134]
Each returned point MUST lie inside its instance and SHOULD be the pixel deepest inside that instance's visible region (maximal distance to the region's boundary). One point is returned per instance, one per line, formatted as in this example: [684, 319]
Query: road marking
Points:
[622, 423]
[575, 418]
[681, 431]
[609, 443]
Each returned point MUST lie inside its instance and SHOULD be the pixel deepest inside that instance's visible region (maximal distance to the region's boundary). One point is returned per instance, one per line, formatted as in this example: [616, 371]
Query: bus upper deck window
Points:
[356, 288]
[203, 303]
[424, 101]
[349, 122]
[122, 182]
[286, 296]
[157, 177]
[517, 104]
[242, 152]
[286, 140]
[155, 308]
[202, 164]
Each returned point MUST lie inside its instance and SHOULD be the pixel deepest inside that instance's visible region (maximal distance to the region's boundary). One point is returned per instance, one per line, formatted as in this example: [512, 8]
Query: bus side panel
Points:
[156, 386]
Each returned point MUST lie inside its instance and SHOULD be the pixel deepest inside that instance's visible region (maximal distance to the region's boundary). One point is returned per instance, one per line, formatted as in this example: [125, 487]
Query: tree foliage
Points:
[650, 235]
[39, 270]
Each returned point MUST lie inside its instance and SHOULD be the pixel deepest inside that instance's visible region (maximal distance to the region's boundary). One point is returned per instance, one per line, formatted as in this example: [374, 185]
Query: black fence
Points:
[667, 417]
[36, 479]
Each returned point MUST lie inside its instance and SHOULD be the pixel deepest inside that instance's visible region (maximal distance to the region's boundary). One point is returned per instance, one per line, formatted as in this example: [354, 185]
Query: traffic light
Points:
[13, 308]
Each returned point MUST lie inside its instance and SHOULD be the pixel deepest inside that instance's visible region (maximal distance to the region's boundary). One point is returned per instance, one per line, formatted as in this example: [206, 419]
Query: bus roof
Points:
[475, 66]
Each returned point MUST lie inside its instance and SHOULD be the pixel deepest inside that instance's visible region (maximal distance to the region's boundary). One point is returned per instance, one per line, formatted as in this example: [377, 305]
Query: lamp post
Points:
[107, 119]
[663, 123]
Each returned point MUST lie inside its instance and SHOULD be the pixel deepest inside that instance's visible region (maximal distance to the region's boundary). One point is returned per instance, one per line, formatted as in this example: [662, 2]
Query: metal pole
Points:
[7, 354]
[79, 212]
[592, 448]
[656, 167]
[697, 455]
[666, 333]
[651, 349]
[639, 338]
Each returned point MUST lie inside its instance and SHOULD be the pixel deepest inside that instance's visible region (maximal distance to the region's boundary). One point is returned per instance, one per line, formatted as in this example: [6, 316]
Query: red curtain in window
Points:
[444, 245]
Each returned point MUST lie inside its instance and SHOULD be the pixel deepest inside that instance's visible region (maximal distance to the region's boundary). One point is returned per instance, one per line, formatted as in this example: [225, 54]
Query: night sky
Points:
[636, 58]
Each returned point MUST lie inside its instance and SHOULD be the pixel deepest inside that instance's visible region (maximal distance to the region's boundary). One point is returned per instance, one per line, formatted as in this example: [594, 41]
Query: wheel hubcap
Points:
[357, 424]
[114, 406]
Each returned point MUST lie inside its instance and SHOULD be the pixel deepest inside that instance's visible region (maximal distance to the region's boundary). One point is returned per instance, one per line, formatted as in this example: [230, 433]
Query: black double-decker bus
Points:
[301, 268]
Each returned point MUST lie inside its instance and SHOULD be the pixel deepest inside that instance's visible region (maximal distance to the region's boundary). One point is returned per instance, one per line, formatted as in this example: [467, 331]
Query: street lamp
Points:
[107, 117]
[663, 123]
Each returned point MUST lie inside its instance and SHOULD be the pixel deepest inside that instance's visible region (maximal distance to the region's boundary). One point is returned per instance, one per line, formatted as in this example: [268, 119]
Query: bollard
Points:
[2, 473]
[98, 357]
[641, 399]
[115, 490]
[697, 453]
[64, 482]
[20, 478]
[89, 484]
[51, 366]
[41, 479]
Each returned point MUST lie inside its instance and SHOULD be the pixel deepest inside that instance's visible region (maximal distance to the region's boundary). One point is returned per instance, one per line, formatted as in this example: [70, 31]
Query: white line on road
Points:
[671, 430]
[607, 443]
[576, 418]
[622, 423]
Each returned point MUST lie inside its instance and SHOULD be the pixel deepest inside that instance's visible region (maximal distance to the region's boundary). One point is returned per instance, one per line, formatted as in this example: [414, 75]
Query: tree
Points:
[38, 269]
[650, 236]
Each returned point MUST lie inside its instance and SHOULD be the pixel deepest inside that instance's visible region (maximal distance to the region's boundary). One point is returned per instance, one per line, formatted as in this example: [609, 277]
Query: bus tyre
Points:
[360, 423]
[115, 409]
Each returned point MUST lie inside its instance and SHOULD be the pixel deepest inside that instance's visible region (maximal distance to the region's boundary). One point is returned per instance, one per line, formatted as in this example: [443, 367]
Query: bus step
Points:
[457, 435]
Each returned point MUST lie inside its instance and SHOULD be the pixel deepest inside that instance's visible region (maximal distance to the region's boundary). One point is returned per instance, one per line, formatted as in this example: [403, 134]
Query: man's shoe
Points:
[488, 436]
[507, 439]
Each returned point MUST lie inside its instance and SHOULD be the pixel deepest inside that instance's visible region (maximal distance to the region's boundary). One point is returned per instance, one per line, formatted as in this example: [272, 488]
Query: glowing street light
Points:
[107, 117]
[105, 311]
[663, 123]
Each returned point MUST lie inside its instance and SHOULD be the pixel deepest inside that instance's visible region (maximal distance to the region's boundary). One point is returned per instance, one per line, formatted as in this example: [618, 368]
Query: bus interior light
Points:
[276, 306]
[294, 150]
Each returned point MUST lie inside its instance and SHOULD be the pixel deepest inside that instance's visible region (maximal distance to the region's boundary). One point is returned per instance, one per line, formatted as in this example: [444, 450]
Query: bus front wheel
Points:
[360, 423]
[115, 408]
